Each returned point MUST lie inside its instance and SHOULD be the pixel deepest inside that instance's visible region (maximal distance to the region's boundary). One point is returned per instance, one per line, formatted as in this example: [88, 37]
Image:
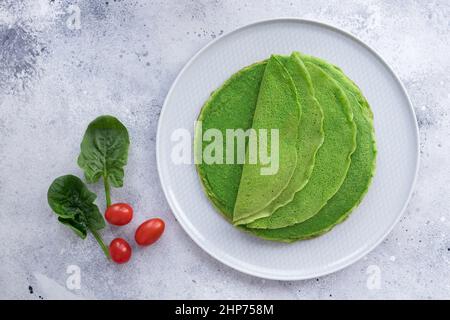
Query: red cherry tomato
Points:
[119, 214]
[120, 250]
[149, 231]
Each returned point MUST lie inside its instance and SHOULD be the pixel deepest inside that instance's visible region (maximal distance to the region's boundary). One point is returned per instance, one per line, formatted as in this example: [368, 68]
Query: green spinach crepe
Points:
[348, 129]
[230, 107]
[359, 174]
[278, 108]
[310, 132]
[333, 157]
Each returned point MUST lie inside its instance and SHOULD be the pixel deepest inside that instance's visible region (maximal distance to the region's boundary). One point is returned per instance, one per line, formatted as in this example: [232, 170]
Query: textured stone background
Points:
[58, 73]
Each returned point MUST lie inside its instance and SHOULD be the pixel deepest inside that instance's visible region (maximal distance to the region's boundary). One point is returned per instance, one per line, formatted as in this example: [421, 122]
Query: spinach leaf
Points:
[74, 204]
[77, 227]
[104, 152]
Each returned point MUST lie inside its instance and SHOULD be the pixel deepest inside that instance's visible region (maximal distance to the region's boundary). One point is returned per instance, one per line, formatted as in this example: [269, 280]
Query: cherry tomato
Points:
[149, 231]
[119, 214]
[120, 250]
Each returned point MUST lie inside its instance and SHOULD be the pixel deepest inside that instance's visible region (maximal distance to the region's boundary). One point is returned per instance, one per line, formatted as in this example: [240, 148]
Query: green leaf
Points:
[104, 150]
[78, 228]
[74, 204]
[95, 219]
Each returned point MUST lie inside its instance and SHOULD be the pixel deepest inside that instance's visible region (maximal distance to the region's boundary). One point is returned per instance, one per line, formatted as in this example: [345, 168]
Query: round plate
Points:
[396, 134]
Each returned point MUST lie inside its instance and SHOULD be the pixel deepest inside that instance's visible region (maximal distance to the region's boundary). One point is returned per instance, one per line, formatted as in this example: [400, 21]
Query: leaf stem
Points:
[107, 190]
[101, 243]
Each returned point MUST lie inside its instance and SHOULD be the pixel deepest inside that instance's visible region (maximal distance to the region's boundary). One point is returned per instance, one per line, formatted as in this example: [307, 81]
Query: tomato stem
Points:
[101, 243]
[107, 191]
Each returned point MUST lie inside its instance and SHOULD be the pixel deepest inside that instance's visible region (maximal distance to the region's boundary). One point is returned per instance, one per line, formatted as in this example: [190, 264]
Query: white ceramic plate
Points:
[397, 142]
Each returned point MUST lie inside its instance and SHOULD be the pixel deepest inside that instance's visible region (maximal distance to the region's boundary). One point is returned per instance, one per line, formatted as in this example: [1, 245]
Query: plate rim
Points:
[300, 276]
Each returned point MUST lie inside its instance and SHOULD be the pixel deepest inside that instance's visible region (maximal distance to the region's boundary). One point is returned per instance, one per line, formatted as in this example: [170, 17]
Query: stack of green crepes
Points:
[326, 147]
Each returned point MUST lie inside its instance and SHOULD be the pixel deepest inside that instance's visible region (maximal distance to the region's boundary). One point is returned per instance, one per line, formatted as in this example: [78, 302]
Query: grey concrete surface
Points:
[58, 72]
